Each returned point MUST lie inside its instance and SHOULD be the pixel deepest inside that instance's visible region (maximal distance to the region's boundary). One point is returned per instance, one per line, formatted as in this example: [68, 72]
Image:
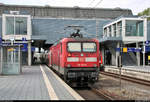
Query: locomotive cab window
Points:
[74, 47]
[89, 47]
[84, 47]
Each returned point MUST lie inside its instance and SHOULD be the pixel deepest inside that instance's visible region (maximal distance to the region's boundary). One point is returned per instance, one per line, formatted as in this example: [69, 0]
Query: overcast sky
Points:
[135, 5]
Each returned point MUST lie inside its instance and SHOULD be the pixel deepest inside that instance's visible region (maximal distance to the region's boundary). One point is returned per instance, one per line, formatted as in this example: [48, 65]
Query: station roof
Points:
[53, 29]
[66, 12]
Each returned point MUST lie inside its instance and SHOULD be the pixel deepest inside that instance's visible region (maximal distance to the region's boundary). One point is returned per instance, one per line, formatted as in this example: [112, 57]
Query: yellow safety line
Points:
[51, 91]
[71, 91]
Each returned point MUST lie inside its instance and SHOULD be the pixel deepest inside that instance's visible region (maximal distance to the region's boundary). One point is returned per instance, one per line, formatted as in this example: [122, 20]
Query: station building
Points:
[41, 26]
[126, 36]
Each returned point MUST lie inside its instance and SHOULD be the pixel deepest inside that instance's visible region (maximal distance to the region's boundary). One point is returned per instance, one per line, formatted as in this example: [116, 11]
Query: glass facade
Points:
[114, 29]
[9, 25]
[126, 29]
[21, 25]
[16, 25]
[105, 32]
[134, 28]
[119, 27]
[109, 31]
[11, 60]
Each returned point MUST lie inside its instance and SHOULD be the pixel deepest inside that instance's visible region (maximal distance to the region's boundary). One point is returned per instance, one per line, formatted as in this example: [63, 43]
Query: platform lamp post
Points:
[120, 63]
[143, 54]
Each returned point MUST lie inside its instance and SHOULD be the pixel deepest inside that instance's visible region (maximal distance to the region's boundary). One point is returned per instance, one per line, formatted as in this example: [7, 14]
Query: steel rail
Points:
[128, 78]
[102, 93]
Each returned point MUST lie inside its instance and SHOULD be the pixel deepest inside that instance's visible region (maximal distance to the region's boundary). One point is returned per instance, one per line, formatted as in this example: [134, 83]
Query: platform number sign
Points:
[125, 49]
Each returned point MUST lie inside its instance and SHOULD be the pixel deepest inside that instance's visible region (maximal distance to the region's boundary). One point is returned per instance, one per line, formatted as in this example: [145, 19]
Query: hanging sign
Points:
[11, 49]
[149, 57]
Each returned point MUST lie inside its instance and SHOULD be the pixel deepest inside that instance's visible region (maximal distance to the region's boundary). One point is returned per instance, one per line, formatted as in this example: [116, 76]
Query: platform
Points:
[36, 83]
[133, 71]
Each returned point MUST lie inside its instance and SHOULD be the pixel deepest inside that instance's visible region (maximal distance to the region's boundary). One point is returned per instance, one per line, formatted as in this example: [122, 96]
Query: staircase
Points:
[128, 59]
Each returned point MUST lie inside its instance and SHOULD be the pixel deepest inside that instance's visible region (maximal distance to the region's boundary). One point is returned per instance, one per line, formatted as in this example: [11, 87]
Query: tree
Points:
[145, 12]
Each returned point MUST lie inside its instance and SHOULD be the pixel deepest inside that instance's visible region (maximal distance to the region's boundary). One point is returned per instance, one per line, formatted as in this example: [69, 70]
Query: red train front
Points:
[77, 59]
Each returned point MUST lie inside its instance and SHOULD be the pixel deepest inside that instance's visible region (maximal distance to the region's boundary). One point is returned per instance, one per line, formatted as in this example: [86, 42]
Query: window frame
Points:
[81, 46]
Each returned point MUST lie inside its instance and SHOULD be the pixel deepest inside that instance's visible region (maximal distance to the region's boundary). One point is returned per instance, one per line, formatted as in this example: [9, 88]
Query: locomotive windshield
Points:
[74, 47]
[89, 47]
[78, 47]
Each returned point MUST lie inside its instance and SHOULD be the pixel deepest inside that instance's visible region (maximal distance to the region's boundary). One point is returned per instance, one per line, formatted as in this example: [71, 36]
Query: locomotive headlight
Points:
[72, 59]
[95, 65]
[68, 65]
[90, 59]
[81, 54]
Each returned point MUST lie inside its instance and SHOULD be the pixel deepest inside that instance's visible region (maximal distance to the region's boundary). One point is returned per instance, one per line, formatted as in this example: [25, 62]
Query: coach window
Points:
[89, 47]
[74, 47]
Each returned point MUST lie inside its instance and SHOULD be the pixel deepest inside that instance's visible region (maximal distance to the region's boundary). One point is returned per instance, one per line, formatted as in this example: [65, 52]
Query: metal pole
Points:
[29, 54]
[143, 54]
[120, 65]
[96, 29]
[14, 27]
[138, 54]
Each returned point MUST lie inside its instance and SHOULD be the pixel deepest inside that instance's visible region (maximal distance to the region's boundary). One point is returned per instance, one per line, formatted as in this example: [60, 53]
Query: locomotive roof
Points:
[75, 39]
[78, 39]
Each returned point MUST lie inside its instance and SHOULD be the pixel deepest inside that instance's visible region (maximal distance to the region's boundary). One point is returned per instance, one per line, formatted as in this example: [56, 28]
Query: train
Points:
[76, 59]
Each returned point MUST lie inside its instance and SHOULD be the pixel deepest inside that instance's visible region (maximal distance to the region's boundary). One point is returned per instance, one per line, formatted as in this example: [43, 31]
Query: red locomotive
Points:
[76, 59]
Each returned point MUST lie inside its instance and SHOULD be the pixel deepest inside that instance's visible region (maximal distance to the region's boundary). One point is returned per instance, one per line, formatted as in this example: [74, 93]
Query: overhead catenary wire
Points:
[98, 3]
[91, 2]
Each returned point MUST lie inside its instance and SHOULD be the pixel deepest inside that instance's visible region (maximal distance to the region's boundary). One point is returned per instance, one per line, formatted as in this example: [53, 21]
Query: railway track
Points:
[103, 94]
[98, 94]
[95, 94]
[127, 78]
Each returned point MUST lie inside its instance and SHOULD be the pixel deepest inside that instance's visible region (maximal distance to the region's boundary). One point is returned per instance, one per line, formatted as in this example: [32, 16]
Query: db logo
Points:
[79, 65]
[81, 59]
[83, 64]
